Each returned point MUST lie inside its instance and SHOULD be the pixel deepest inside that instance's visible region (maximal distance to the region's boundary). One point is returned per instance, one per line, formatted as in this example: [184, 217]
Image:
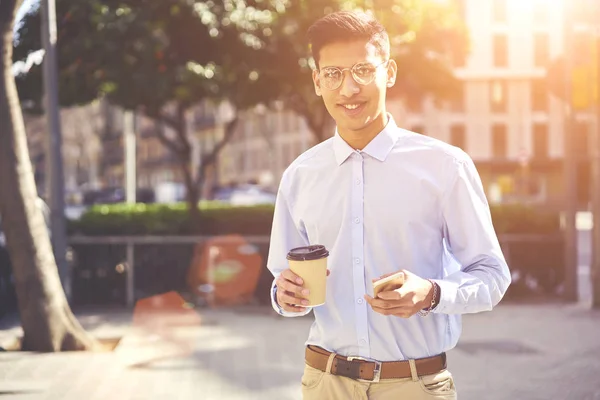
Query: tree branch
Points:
[182, 131]
[167, 120]
[210, 158]
[160, 134]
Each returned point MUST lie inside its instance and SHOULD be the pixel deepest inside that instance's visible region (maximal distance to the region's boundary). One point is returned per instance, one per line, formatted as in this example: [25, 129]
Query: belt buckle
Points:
[376, 370]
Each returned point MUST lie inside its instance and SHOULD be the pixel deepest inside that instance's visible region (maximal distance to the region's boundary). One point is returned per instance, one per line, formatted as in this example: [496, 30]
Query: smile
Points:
[351, 106]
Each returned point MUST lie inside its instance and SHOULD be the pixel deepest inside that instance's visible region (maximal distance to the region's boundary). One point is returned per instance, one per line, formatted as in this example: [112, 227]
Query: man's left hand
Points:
[415, 294]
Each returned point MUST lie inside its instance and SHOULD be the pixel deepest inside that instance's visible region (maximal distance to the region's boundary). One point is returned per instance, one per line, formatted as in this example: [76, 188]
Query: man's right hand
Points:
[291, 292]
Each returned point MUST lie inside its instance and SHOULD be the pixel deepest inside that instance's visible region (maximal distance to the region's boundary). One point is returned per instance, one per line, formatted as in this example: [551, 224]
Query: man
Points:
[382, 200]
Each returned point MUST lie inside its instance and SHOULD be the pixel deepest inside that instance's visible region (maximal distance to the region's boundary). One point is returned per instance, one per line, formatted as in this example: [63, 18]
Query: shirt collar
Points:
[378, 148]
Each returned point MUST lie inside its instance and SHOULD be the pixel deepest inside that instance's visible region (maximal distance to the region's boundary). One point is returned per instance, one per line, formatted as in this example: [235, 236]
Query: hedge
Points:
[172, 219]
[219, 218]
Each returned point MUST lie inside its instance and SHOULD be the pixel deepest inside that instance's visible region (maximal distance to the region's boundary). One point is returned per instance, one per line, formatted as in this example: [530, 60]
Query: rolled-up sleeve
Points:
[285, 235]
[484, 275]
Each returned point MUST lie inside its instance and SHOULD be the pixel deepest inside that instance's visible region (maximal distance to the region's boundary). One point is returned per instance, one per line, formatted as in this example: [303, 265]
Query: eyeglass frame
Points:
[343, 70]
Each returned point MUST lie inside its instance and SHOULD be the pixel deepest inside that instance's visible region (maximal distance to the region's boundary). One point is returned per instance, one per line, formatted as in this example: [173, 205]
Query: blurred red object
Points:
[225, 270]
[164, 328]
[164, 311]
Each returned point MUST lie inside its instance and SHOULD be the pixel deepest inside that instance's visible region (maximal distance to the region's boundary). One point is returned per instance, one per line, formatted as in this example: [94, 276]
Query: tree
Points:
[427, 36]
[161, 58]
[47, 321]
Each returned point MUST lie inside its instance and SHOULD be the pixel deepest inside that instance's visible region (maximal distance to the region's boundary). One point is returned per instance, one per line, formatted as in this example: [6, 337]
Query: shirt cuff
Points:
[280, 310]
[448, 293]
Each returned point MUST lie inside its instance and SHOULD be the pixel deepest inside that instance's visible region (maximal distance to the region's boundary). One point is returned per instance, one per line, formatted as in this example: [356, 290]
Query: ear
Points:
[392, 71]
[315, 76]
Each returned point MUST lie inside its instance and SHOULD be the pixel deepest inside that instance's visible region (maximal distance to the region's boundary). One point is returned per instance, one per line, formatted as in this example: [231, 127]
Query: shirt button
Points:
[362, 342]
[359, 301]
[358, 181]
[357, 221]
[357, 260]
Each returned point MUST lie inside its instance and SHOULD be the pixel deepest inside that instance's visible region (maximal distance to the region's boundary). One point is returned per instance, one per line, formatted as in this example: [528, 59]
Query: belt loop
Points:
[413, 370]
[330, 363]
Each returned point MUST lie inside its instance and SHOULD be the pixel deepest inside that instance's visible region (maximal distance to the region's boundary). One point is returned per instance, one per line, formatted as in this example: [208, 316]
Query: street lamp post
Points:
[54, 144]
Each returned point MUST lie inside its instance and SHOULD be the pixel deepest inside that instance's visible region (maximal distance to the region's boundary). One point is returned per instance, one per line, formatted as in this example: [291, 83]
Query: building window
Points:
[499, 11]
[458, 136]
[540, 141]
[541, 49]
[418, 129]
[499, 141]
[539, 95]
[500, 51]
[498, 96]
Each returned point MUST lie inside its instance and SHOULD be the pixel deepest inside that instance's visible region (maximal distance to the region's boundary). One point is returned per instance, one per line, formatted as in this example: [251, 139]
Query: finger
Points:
[402, 312]
[389, 295]
[292, 277]
[328, 272]
[291, 287]
[289, 298]
[289, 308]
[384, 304]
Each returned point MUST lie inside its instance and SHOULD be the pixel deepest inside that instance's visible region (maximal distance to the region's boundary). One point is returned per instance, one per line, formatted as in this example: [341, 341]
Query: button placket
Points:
[357, 213]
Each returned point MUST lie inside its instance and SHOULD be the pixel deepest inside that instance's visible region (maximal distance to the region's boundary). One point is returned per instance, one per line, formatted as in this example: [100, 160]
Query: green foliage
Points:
[220, 218]
[173, 219]
[149, 54]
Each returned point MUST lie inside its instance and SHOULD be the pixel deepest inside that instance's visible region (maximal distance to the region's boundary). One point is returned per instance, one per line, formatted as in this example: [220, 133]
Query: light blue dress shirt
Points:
[406, 201]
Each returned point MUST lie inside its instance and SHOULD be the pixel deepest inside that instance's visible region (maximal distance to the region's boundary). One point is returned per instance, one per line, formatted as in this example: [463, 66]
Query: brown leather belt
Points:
[370, 370]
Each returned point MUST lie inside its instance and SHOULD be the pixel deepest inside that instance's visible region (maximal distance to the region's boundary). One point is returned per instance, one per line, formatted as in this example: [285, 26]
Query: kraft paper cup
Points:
[310, 264]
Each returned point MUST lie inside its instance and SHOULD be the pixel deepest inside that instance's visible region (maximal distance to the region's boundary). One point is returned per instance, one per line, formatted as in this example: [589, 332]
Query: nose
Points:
[349, 86]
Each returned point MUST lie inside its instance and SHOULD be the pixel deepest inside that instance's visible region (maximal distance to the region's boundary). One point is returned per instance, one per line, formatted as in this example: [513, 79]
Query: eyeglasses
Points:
[363, 73]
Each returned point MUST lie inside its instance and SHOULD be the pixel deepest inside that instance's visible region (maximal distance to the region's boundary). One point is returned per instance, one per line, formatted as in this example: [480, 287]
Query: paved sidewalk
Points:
[524, 352]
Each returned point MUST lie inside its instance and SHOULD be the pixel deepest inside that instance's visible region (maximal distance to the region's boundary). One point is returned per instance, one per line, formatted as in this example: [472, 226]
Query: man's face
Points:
[353, 105]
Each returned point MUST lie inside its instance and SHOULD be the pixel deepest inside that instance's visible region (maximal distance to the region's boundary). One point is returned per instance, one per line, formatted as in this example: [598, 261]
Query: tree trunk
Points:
[47, 321]
[192, 189]
[211, 158]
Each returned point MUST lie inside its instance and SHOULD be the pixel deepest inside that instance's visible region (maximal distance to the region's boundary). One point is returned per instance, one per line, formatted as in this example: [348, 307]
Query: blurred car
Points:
[245, 195]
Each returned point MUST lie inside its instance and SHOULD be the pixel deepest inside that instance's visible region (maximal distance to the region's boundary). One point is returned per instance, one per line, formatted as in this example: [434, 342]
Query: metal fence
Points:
[123, 269]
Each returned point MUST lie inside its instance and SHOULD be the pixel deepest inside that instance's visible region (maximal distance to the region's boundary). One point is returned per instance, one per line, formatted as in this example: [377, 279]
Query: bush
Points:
[219, 218]
[172, 219]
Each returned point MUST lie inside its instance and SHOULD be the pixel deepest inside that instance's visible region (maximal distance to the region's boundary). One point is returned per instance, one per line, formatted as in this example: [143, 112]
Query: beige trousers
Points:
[319, 385]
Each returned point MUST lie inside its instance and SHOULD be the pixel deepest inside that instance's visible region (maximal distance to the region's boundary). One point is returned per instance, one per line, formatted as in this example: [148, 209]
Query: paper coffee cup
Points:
[310, 264]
